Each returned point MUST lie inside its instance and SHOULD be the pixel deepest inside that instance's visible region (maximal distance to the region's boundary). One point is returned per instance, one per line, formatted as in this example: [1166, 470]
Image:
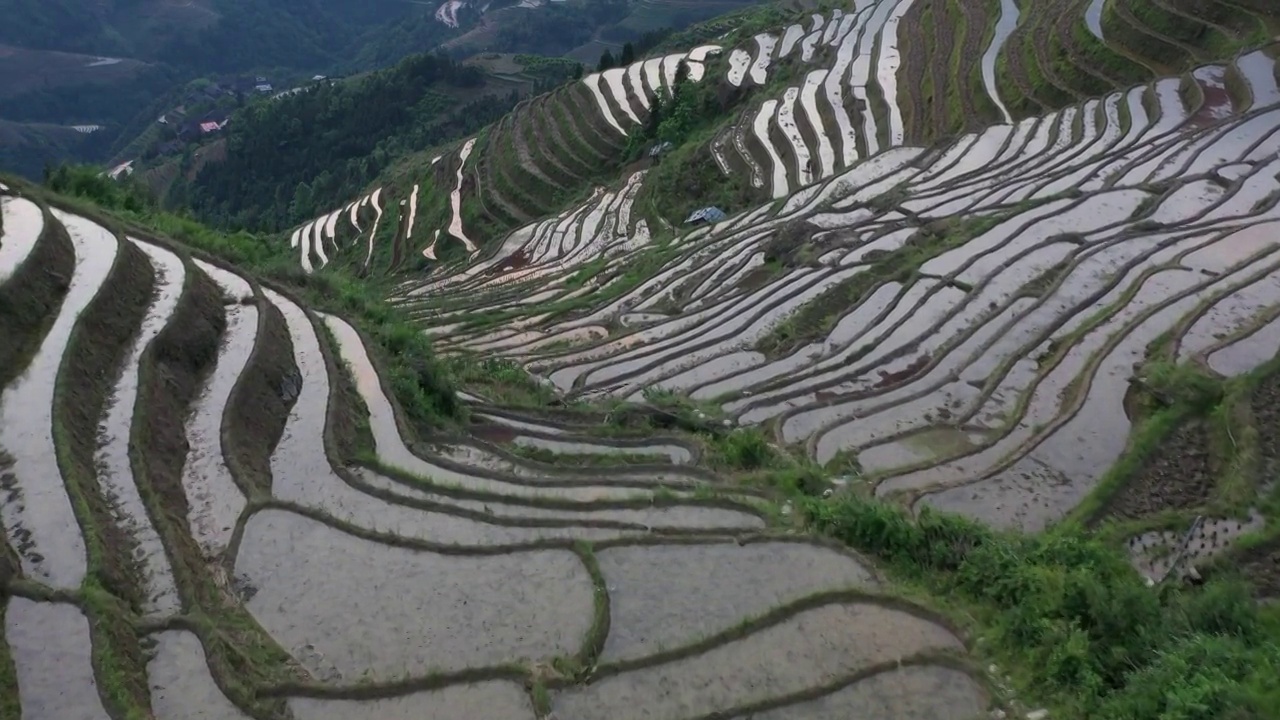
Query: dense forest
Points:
[292, 159]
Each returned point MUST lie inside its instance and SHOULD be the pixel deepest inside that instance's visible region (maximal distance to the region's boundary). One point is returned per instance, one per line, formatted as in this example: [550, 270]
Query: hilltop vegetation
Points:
[287, 160]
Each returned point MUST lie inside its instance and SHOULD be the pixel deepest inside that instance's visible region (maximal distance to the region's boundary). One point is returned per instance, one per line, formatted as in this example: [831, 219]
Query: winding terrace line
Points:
[38, 517]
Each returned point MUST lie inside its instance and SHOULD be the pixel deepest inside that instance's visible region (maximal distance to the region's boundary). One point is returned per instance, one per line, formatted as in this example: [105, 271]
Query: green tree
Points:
[606, 61]
[628, 55]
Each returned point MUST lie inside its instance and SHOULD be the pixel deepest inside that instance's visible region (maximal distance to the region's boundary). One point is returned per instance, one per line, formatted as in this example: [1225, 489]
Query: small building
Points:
[263, 87]
[706, 215]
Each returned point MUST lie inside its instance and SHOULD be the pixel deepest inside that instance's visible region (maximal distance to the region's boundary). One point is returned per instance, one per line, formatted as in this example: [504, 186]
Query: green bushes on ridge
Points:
[423, 386]
[1071, 618]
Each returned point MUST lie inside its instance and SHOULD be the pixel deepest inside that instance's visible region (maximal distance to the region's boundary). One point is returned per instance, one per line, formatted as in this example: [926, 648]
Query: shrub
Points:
[1074, 615]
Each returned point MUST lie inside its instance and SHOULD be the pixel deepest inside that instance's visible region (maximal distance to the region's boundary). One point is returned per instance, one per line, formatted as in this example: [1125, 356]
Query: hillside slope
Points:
[939, 419]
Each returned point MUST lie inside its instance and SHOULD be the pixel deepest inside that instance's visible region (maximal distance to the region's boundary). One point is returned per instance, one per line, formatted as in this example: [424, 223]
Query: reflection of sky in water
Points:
[1217, 103]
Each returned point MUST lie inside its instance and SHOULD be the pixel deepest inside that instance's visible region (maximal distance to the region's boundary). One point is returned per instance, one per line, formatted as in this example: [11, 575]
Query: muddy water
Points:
[519, 424]
[896, 410]
[652, 609]
[592, 82]
[814, 648]
[393, 452]
[115, 472]
[51, 649]
[375, 200]
[714, 369]
[653, 74]
[933, 443]
[921, 691]
[419, 612]
[1248, 352]
[846, 331]
[1233, 249]
[791, 131]
[1259, 71]
[1232, 314]
[997, 237]
[878, 326]
[302, 474]
[1257, 188]
[213, 498]
[1004, 26]
[670, 339]
[490, 700]
[37, 513]
[614, 78]
[23, 223]
[789, 39]
[1045, 401]
[674, 453]
[987, 146]
[889, 62]
[765, 44]
[1093, 17]
[648, 518]
[182, 687]
[1065, 466]
[764, 117]
[833, 85]
[802, 425]
[635, 79]
[1237, 144]
[455, 199]
[809, 101]
[705, 348]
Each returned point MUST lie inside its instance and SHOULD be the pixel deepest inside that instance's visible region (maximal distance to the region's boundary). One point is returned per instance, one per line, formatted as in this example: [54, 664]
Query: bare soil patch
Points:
[1178, 476]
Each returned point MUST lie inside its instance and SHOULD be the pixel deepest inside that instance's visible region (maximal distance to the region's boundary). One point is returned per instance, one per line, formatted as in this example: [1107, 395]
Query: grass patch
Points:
[1071, 617]
[10, 708]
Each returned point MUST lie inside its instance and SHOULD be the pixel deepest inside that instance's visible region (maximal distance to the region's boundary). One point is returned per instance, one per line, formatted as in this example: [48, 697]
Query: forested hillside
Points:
[288, 159]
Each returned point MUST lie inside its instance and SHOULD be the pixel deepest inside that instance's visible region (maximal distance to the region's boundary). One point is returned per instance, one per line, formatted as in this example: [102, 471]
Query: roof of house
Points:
[706, 214]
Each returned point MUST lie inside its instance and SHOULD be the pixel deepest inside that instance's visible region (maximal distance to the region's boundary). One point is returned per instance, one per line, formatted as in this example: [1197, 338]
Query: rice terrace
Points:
[859, 359]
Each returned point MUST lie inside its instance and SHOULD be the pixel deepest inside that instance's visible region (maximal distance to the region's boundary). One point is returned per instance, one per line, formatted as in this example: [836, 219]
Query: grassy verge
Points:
[112, 591]
[1077, 626]
[10, 708]
[361, 301]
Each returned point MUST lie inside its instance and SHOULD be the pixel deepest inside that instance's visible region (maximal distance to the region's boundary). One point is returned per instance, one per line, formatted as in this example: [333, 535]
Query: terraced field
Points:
[993, 289]
[835, 90]
[177, 509]
[961, 323]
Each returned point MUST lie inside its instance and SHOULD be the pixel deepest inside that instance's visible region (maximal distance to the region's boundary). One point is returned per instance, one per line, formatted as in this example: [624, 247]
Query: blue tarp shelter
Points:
[706, 215]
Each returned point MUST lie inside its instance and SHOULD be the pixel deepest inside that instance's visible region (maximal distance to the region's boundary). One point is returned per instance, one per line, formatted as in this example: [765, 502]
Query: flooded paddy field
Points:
[1019, 297]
